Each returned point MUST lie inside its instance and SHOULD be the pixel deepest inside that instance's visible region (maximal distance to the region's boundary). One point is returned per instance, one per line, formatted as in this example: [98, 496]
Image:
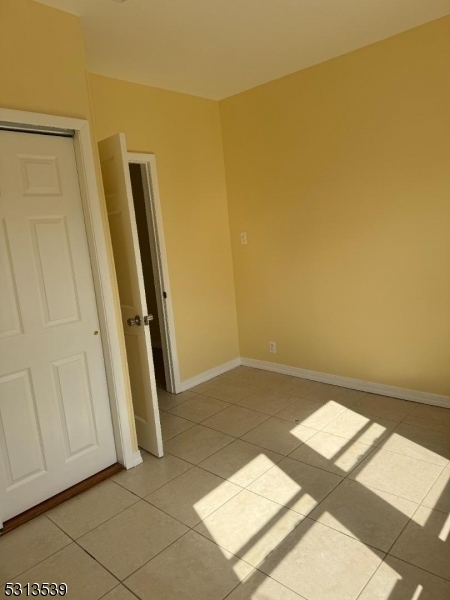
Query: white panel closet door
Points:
[130, 279]
[55, 421]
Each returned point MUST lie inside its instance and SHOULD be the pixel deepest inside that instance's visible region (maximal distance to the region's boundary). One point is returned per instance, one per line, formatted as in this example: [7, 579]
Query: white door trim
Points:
[158, 250]
[118, 386]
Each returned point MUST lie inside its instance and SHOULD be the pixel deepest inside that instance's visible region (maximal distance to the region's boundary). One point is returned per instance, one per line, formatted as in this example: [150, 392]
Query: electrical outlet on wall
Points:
[273, 347]
[243, 237]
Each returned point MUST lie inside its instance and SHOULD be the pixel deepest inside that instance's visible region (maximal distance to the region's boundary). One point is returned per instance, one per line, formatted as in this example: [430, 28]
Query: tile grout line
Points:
[326, 526]
[290, 532]
[103, 522]
[371, 577]
[308, 516]
[388, 552]
[116, 588]
[166, 410]
[190, 529]
[192, 465]
[387, 555]
[227, 501]
[230, 434]
[374, 448]
[144, 499]
[236, 556]
[422, 460]
[44, 559]
[224, 503]
[384, 491]
[420, 504]
[297, 399]
[72, 539]
[256, 570]
[440, 510]
[206, 418]
[167, 439]
[242, 489]
[201, 520]
[275, 415]
[238, 584]
[385, 552]
[412, 402]
[75, 540]
[225, 549]
[237, 404]
[209, 456]
[239, 436]
[383, 439]
[235, 438]
[316, 431]
[285, 456]
[305, 516]
[146, 562]
[122, 581]
[377, 448]
[364, 394]
[416, 567]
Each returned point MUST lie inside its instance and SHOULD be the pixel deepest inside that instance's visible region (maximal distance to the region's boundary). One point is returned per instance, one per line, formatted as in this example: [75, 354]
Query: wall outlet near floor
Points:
[243, 237]
[273, 347]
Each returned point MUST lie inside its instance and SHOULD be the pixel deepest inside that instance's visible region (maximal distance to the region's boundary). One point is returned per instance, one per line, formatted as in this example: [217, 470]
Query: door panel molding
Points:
[17, 417]
[8, 289]
[53, 258]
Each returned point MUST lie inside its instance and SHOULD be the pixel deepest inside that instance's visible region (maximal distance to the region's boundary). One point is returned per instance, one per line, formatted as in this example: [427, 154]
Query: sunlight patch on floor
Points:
[261, 462]
[445, 530]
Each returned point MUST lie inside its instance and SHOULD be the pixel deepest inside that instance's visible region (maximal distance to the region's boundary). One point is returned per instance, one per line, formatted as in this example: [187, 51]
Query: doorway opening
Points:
[154, 266]
[137, 186]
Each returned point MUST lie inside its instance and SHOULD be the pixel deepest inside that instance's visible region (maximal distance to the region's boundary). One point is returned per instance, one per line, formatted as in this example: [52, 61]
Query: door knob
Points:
[147, 319]
[135, 321]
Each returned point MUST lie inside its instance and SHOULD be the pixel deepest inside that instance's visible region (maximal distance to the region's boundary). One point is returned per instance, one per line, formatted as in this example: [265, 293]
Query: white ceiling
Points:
[217, 48]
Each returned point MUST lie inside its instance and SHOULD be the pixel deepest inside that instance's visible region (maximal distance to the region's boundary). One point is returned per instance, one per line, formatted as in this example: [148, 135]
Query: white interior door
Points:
[127, 258]
[55, 421]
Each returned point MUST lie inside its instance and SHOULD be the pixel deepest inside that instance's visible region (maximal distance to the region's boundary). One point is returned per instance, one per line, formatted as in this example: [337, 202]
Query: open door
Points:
[127, 258]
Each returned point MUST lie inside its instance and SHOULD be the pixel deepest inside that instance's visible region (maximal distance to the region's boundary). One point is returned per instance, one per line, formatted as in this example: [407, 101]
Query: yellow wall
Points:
[42, 62]
[184, 133]
[340, 174]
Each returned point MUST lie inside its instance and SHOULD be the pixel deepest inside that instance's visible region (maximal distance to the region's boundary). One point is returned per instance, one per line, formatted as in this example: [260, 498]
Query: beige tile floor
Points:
[271, 488]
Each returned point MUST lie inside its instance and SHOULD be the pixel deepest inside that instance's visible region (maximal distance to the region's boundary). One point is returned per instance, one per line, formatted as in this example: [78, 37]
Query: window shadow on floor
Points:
[385, 522]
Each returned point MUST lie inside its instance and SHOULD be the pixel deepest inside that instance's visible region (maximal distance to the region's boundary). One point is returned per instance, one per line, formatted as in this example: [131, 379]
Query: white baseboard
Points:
[207, 375]
[132, 460]
[354, 384]
[137, 458]
[348, 382]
